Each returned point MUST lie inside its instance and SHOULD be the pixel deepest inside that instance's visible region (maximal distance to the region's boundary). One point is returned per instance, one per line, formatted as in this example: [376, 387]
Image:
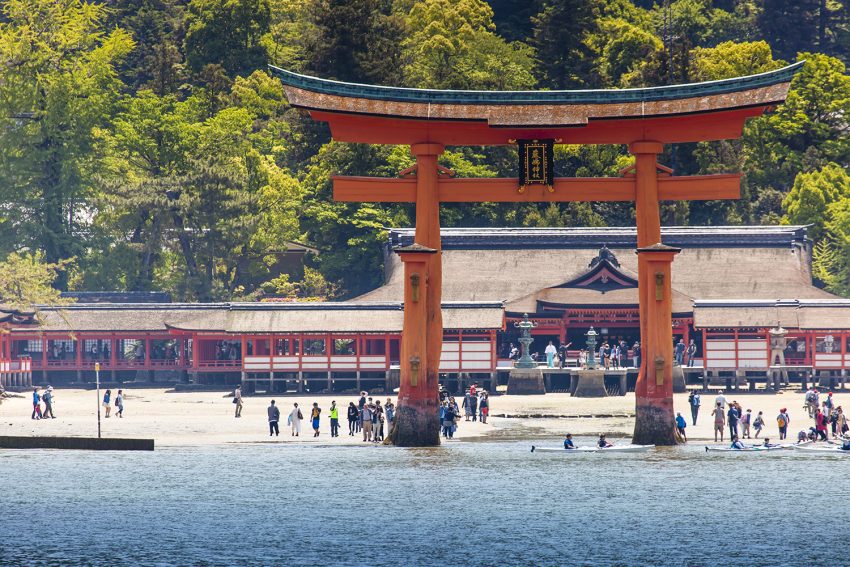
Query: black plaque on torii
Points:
[536, 163]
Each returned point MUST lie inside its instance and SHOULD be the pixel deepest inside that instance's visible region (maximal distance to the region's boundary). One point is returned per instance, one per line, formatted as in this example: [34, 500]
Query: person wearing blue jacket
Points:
[36, 404]
[681, 424]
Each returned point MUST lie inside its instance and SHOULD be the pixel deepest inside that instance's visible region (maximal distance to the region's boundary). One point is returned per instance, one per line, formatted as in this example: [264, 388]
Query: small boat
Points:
[756, 448]
[831, 450]
[614, 449]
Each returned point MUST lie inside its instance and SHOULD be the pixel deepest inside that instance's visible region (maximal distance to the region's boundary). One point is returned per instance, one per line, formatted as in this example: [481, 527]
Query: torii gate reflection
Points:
[429, 120]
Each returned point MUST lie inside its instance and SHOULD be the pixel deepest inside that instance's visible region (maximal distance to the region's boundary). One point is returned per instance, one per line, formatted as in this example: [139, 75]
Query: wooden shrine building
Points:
[730, 286]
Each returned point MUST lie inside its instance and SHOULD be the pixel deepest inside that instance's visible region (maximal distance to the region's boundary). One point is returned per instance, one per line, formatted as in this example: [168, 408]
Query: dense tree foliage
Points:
[144, 146]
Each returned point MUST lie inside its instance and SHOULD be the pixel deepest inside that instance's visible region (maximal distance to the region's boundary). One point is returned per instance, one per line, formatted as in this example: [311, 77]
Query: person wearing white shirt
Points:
[720, 399]
[550, 351]
[295, 417]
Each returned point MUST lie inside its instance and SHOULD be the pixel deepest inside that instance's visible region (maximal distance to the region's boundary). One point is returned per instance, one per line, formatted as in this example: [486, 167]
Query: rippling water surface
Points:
[471, 503]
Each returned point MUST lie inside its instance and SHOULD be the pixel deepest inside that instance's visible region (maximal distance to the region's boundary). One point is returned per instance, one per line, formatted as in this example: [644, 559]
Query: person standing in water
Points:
[274, 418]
[314, 418]
[295, 417]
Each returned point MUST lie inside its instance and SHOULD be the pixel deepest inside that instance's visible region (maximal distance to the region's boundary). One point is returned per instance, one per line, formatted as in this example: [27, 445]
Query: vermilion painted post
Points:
[417, 418]
[654, 416]
[428, 235]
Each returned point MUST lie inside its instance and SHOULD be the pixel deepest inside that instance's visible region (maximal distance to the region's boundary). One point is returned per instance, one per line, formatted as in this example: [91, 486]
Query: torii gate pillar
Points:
[417, 416]
[654, 417]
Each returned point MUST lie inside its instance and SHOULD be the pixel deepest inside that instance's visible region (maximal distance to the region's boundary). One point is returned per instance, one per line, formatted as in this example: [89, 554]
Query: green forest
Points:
[145, 147]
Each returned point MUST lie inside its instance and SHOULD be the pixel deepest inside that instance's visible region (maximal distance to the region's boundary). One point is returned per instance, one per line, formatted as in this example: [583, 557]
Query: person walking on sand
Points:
[746, 419]
[334, 413]
[48, 403]
[353, 418]
[467, 406]
[274, 418]
[721, 399]
[719, 421]
[106, 398]
[694, 401]
[237, 399]
[473, 401]
[758, 423]
[783, 421]
[484, 407]
[36, 404]
[295, 417]
[314, 418]
[119, 404]
[681, 424]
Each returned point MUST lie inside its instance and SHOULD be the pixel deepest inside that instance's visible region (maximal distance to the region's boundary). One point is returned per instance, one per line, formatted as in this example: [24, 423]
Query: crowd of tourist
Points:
[829, 420]
[368, 417]
[48, 399]
[371, 418]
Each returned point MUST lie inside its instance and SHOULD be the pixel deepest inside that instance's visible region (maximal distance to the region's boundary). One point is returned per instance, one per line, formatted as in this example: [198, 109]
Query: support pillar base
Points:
[654, 422]
[591, 384]
[416, 426]
[526, 381]
[679, 384]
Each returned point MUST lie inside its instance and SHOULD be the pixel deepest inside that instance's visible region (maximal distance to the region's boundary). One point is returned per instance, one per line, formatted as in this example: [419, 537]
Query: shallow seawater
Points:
[466, 503]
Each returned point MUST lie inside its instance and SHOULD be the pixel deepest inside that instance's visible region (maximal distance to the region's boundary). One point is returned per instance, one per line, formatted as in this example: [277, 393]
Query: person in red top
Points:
[820, 424]
[473, 389]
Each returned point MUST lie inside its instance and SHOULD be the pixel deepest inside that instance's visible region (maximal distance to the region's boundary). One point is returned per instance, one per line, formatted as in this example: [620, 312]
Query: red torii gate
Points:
[428, 120]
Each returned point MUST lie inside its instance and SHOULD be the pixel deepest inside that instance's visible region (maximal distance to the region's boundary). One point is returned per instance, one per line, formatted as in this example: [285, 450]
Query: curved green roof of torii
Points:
[590, 96]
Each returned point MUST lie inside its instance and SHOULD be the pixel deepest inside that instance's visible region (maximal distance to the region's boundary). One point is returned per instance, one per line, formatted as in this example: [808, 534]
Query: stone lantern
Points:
[591, 348]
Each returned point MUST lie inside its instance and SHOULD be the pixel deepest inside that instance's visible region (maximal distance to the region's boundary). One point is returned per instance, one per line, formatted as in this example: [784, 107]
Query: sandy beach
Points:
[204, 418]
